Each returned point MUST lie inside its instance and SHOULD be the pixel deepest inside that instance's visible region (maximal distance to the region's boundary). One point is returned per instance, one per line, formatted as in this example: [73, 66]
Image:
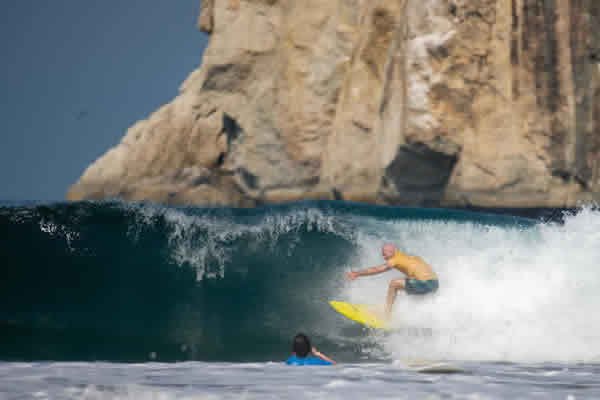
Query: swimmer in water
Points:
[304, 354]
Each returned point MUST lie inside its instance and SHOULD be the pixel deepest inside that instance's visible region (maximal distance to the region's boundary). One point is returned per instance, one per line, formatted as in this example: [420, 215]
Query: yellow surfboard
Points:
[362, 314]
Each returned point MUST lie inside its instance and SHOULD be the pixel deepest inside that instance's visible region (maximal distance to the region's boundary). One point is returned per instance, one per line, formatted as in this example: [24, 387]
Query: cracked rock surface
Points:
[429, 102]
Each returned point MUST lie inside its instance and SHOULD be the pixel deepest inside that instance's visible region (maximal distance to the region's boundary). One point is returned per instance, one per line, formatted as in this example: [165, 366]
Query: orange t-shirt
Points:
[412, 266]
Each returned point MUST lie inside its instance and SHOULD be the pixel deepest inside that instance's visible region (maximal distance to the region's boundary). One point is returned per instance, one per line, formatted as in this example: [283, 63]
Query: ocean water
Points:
[127, 301]
[348, 381]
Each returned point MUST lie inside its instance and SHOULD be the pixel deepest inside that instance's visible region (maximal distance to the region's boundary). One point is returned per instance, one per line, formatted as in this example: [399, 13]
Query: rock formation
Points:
[429, 102]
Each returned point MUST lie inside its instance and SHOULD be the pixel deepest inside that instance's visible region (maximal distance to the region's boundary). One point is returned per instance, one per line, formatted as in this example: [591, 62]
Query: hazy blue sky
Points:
[76, 74]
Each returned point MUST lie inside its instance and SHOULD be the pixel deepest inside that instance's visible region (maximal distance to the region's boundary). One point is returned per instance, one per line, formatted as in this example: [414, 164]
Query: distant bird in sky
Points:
[81, 115]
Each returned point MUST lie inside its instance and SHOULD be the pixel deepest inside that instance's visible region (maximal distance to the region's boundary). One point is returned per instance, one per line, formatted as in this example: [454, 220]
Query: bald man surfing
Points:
[420, 278]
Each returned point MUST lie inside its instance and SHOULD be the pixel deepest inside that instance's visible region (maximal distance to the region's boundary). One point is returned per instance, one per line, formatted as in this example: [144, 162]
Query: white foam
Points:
[135, 392]
[505, 293]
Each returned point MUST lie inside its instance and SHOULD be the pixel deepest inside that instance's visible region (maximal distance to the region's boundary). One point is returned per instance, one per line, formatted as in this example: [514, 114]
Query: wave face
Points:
[122, 282]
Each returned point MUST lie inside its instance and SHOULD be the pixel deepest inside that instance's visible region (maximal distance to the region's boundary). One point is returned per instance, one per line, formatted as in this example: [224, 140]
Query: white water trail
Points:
[506, 294]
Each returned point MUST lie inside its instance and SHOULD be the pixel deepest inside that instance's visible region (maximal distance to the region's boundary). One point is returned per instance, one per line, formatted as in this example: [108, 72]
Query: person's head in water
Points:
[388, 250]
[301, 345]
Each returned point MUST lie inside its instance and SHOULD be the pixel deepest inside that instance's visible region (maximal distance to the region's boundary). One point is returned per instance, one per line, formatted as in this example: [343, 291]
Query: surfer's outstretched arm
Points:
[368, 271]
[322, 356]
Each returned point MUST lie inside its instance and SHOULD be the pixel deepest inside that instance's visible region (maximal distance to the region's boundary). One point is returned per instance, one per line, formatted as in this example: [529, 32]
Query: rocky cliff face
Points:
[451, 102]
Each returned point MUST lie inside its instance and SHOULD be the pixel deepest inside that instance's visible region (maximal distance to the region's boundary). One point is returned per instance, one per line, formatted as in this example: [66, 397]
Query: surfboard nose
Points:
[359, 313]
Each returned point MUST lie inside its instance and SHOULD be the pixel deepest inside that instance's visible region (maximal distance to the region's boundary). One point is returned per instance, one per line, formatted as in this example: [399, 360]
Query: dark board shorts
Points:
[415, 286]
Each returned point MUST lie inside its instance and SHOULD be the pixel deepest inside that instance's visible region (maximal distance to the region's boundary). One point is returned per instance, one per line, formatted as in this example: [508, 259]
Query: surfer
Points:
[304, 354]
[420, 278]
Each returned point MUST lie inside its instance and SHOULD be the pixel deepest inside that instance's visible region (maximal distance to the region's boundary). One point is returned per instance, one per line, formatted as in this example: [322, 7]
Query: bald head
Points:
[388, 250]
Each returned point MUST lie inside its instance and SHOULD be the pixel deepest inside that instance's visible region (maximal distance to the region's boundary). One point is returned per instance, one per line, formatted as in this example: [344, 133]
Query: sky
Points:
[76, 74]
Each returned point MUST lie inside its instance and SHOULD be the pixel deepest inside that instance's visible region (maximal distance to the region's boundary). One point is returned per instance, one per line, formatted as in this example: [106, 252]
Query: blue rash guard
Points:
[310, 360]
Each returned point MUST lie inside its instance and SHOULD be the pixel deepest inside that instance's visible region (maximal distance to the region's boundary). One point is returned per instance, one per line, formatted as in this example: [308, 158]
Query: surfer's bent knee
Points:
[397, 284]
